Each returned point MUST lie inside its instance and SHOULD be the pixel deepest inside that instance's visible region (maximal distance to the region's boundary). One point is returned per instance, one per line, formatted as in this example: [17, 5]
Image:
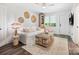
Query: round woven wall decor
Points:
[26, 14]
[21, 19]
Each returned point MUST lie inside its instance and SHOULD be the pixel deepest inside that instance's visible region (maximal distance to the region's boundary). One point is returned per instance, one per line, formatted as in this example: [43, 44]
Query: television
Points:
[71, 19]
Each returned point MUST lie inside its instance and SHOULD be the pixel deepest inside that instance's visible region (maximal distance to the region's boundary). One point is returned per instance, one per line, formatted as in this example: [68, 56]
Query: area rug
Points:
[58, 47]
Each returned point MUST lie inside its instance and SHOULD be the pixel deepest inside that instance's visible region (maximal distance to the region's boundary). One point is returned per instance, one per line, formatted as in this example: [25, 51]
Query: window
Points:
[50, 21]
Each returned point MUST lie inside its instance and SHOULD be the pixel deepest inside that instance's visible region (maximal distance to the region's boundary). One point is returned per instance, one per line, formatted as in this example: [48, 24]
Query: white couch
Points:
[28, 37]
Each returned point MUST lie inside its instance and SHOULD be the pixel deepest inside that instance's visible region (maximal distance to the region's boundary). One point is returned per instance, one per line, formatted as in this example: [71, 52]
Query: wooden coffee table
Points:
[44, 39]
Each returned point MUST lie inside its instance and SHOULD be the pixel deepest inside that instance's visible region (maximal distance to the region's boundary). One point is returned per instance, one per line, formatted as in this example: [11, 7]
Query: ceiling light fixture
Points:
[44, 7]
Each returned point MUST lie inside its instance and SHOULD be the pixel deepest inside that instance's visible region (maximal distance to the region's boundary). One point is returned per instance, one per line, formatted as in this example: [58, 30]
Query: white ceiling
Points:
[56, 7]
[49, 9]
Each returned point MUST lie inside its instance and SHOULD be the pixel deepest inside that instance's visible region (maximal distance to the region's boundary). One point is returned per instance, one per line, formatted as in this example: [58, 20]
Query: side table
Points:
[16, 40]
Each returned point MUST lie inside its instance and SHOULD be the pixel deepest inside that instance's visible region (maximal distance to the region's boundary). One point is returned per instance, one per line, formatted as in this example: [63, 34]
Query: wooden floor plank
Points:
[10, 50]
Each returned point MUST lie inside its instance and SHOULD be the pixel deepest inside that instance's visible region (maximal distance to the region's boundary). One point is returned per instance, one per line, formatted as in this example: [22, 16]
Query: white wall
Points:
[20, 13]
[72, 27]
[3, 26]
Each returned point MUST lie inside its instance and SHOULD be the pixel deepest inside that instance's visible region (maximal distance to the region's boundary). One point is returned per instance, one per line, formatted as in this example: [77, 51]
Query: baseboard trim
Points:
[4, 43]
[62, 36]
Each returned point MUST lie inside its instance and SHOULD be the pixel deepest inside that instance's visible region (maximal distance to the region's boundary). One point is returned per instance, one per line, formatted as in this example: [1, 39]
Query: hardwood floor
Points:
[10, 50]
[73, 48]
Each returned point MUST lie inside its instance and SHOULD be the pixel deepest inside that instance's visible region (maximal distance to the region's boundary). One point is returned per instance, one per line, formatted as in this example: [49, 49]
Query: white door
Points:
[64, 24]
[76, 26]
[2, 26]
